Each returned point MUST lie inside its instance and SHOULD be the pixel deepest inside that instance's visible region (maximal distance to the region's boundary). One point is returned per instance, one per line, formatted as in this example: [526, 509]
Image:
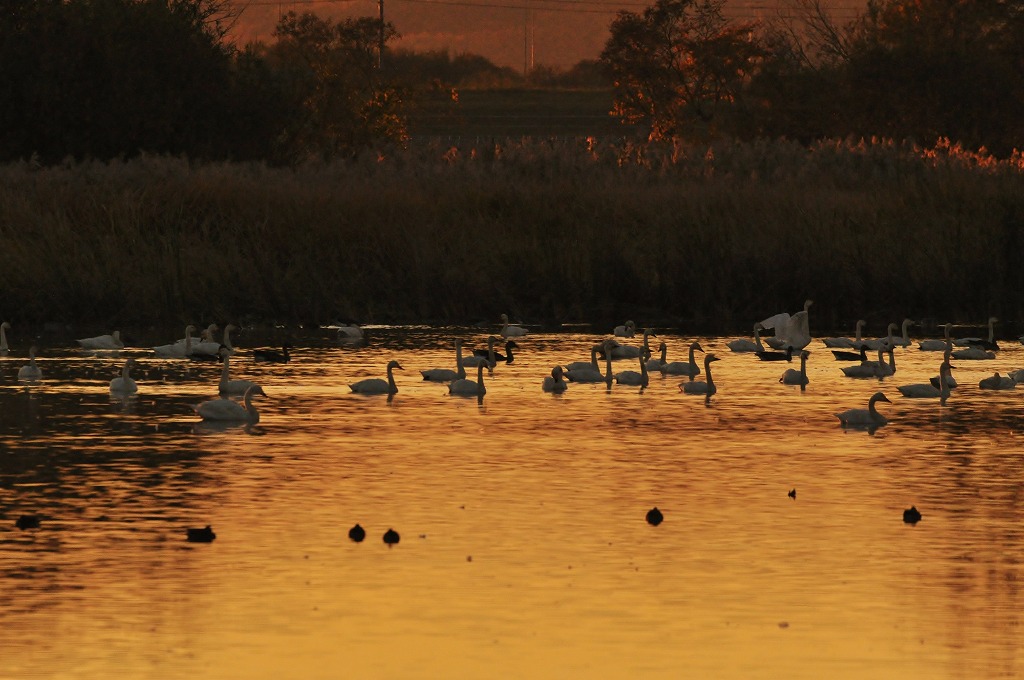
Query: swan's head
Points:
[255, 390]
[394, 364]
[804, 355]
[190, 329]
[6, 325]
[662, 346]
[861, 323]
[230, 327]
[491, 340]
[556, 372]
[631, 325]
[907, 322]
[504, 318]
[696, 346]
[458, 343]
[807, 304]
[892, 328]
[511, 345]
[709, 358]
[879, 396]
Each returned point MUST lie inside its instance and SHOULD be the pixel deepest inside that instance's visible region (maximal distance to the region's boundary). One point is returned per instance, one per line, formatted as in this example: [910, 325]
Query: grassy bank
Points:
[707, 238]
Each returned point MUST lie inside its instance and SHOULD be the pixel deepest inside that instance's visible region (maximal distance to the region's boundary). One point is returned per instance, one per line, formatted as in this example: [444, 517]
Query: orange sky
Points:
[565, 32]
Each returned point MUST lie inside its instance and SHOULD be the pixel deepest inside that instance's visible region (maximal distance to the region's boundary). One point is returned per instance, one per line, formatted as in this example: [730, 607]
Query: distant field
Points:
[519, 113]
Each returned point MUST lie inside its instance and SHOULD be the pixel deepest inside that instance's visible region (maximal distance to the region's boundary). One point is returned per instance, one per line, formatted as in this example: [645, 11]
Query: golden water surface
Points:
[524, 548]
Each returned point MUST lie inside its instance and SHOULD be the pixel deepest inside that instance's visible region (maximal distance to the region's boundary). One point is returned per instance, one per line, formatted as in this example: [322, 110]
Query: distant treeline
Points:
[701, 237]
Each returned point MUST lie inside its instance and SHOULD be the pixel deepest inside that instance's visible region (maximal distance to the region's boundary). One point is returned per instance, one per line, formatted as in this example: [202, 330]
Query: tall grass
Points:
[709, 237]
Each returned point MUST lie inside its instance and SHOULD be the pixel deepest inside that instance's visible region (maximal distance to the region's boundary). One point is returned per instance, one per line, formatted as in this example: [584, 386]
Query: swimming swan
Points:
[229, 410]
[227, 385]
[4, 327]
[904, 339]
[583, 372]
[865, 416]
[641, 379]
[928, 390]
[123, 384]
[554, 382]
[870, 369]
[508, 331]
[469, 388]
[378, 385]
[631, 352]
[791, 376]
[699, 386]
[790, 331]
[447, 375]
[177, 350]
[102, 342]
[349, 331]
[656, 364]
[997, 382]
[973, 353]
[494, 356]
[30, 371]
[627, 330]
[885, 342]
[847, 342]
[272, 355]
[744, 345]
[989, 343]
[933, 345]
[688, 368]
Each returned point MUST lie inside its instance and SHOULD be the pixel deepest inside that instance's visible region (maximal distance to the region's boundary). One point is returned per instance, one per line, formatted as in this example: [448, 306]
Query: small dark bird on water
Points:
[792, 494]
[391, 537]
[911, 515]
[27, 522]
[204, 535]
[654, 516]
[357, 533]
[272, 356]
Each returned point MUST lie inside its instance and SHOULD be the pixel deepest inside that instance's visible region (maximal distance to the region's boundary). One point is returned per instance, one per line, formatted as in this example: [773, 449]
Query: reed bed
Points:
[712, 237]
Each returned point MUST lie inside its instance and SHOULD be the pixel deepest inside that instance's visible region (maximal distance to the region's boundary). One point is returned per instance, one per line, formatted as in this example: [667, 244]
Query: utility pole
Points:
[380, 47]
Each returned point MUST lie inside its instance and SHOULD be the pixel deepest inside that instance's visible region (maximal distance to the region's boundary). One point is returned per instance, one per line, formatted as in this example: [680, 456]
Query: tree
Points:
[331, 72]
[677, 64]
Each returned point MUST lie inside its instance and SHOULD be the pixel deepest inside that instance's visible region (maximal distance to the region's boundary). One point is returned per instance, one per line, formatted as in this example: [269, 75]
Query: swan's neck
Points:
[608, 363]
[227, 337]
[593, 359]
[707, 370]
[459, 368]
[225, 371]
[991, 331]
[664, 354]
[757, 339]
[3, 339]
[480, 379]
[858, 340]
[906, 334]
[391, 380]
[692, 350]
[254, 415]
[124, 371]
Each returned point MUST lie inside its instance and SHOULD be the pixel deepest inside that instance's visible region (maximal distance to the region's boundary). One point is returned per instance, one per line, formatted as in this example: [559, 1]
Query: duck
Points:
[997, 382]
[447, 375]
[627, 330]
[30, 371]
[229, 410]
[227, 385]
[790, 331]
[203, 535]
[493, 355]
[884, 342]
[509, 331]
[4, 327]
[378, 385]
[688, 368]
[272, 355]
[990, 343]
[865, 416]
[554, 382]
[791, 376]
[656, 364]
[112, 341]
[469, 388]
[582, 372]
[640, 379]
[928, 390]
[744, 345]
[847, 343]
[699, 386]
[934, 345]
[123, 384]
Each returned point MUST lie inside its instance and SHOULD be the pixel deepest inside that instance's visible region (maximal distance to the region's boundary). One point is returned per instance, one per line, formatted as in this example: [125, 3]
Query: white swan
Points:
[689, 368]
[177, 350]
[631, 352]
[656, 364]
[639, 379]
[885, 342]
[744, 345]
[447, 375]
[378, 385]
[206, 347]
[205, 334]
[582, 372]
[699, 386]
[227, 385]
[627, 330]
[225, 343]
[102, 342]
[791, 376]
[30, 371]
[950, 380]
[904, 339]
[790, 331]
[933, 345]
[508, 331]
[865, 416]
[229, 410]
[349, 331]
[847, 343]
[964, 342]
[973, 354]
[997, 382]
[554, 382]
[123, 384]
[928, 390]
[469, 388]
[870, 369]
[4, 327]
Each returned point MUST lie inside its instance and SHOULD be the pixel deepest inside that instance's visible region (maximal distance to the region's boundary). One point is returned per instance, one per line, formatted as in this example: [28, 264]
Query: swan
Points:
[847, 342]
[508, 331]
[928, 390]
[554, 382]
[507, 357]
[488, 357]
[997, 382]
[656, 364]
[124, 384]
[631, 352]
[865, 416]
[225, 343]
[205, 334]
[4, 327]
[641, 379]
[791, 376]
[225, 409]
[870, 369]
[446, 374]
[744, 345]
[583, 372]
[229, 386]
[790, 331]
[1018, 375]
[933, 345]
[102, 342]
[699, 386]
[689, 368]
[950, 380]
[30, 371]
[349, 331]
[883, 343]
[177, 350]
[469, 388]
[973, 353]
[378, 385]
[990, 343]
[904, 339]
[272, 355]
[207, 348]
[627, 330]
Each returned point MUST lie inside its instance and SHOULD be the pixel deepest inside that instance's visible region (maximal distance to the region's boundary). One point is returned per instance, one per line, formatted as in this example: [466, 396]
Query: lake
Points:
[524, 547]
